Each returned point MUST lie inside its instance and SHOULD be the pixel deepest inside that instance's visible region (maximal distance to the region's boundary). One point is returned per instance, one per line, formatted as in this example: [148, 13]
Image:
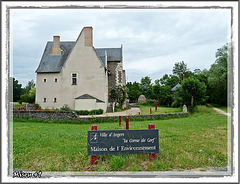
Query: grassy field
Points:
[145, 109]
[17, 103]
[223, 108]
[196, 141]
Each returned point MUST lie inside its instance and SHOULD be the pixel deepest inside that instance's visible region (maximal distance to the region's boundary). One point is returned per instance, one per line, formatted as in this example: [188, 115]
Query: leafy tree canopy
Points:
[191, 93]
[218, 75]
[17, 89]
[180, 69]
[29, 86]
[120, 94]
[134, 91]
[146, 87]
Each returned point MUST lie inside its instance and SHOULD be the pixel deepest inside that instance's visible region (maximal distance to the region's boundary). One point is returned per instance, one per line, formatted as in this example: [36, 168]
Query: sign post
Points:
[108, 142]
[151, 155]
[120, 119]
[94, 158]
[156, 106]
[127, 123]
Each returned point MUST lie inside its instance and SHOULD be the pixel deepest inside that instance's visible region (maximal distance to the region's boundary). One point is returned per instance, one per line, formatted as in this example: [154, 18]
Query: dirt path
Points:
[132, 111]
[220, 111]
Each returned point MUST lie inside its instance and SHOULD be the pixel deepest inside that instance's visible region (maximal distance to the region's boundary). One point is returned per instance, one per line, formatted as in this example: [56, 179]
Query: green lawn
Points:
[196, 141]
[223, 108]
[145, 109]
[17, 103]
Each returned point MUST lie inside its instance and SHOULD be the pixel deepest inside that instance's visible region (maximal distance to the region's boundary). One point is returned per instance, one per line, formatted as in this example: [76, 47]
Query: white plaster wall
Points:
[91, 74]
[49, 90]
[85, 104]
[101, 106]
[91, 79]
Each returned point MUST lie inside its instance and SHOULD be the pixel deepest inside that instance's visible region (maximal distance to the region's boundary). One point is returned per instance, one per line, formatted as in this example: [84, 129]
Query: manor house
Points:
[77, 74]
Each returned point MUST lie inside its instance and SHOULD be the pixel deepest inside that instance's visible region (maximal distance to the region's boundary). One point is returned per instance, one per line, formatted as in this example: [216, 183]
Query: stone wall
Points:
[132, 117]
[111, 78]
[72, 116]
[47, 115]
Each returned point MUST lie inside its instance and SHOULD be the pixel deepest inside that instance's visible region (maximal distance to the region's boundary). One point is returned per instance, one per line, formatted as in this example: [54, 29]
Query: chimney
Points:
[88, 41]
[56, 46]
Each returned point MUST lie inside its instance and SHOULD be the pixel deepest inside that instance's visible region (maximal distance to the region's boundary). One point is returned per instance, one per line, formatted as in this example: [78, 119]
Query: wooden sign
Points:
[123, 142]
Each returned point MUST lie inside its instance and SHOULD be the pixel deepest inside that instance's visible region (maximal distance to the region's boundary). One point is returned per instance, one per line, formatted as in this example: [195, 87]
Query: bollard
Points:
[94, 158]
[156, 106]
[120, 118]
[138, 113]
[127, 123]
[152, 156]
[150, 110]
[94, 127]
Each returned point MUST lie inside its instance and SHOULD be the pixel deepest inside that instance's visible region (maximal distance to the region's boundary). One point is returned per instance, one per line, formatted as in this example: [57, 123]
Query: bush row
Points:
[92, 112]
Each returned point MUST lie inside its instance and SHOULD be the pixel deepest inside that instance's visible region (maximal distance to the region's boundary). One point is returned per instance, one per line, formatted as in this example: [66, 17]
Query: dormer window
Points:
[74, 79]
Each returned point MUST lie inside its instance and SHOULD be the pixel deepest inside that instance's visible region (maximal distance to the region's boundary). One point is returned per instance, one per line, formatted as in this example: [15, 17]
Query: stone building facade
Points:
[77, 74]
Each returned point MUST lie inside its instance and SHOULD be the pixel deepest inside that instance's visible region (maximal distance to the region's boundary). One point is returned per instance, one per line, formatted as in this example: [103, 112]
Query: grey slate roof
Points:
[87, 96]
[113, 54]
[175, 87]
[53, 63]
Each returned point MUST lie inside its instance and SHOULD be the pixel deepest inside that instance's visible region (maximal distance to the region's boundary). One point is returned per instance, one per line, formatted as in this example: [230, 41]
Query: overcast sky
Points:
[153, 40]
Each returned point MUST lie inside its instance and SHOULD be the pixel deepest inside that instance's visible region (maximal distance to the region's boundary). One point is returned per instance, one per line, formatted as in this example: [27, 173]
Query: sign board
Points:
[122, 142]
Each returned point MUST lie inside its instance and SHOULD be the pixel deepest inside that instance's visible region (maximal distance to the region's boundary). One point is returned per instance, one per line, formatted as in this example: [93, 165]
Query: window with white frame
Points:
[55, 100]
[44, 100]
[44, 80]
[55, 79]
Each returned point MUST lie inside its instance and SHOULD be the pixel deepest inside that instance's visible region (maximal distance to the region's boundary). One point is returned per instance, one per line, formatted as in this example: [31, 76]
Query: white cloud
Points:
[152, 39]
[197, 57]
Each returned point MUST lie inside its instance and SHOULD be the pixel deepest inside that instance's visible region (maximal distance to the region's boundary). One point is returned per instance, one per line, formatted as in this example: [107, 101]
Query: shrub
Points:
[37, 106]
[176, 104]
[151, 102]
[98, 111]
[65, 107]
[92, 112]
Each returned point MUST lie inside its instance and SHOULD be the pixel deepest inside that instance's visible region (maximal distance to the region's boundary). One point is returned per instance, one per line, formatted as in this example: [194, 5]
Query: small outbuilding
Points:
[88, 102]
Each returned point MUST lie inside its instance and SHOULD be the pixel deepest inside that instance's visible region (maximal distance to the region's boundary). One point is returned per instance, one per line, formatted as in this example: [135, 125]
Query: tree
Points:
[119, 94]
[156, 90]
[29, 86]
[17, 89]
[202, 76]
[218, 75]
[191, 93]
[146, 87]
[165, 96]
[180, 69]
[170, 80]
[133, 91]
[28, 97]
[29, 93]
